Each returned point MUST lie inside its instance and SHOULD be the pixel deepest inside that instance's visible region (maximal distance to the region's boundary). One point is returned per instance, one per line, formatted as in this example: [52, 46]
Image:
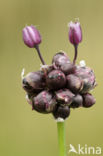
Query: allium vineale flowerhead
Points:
[63, 85]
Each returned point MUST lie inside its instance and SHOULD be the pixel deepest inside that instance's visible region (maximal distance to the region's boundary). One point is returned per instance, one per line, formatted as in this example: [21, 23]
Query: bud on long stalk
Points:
[32, 39]
[75, 36]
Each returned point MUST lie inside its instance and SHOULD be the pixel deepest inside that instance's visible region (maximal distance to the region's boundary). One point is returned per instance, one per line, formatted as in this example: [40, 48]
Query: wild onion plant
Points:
[61, 86]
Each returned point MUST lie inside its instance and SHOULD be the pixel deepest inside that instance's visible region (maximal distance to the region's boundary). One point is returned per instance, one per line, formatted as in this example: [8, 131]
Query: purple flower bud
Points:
[56, 79]
[31, 36]
[61, 112]
[88, 78]
[64, 96]
[74, 83]
[77, 101]
[34, 82]
[44, 102]
[88, 100]
[75, 33]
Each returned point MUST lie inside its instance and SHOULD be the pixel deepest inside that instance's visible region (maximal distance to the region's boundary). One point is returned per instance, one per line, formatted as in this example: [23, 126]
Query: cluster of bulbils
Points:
[63, 85]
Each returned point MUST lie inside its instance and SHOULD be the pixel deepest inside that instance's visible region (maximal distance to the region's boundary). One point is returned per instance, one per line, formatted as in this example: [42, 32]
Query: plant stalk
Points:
[75, 55]
[40, 56]
[61, 138]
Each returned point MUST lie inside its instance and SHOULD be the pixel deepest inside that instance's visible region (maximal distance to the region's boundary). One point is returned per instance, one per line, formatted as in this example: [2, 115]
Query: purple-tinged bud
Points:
[31, 36]
[88, 78]
[60, 59]
[88, 100]
[77, 101]
[64, 96]
[74, 83]
[34, 82]
[75, 33]
[56, 79]
[61, 112]
[44, 102]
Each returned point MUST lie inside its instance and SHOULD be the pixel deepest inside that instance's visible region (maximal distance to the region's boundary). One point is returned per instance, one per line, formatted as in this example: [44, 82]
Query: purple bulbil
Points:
[87, 76]
[74, 83]
[62, 62]
[44, 102]
[61, 112]
[34, 82]
[56, 80]
[77, 101]
[64, 96]
[88, 100]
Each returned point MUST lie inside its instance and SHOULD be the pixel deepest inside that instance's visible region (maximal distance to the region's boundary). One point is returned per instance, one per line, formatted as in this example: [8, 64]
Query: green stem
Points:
[61, 138]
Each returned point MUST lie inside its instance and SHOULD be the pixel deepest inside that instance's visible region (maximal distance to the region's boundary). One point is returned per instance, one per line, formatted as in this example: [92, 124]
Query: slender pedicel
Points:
[40, 56]
[76, 53]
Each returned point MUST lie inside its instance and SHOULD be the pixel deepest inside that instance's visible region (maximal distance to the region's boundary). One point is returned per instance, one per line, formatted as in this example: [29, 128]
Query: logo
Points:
[85, 150]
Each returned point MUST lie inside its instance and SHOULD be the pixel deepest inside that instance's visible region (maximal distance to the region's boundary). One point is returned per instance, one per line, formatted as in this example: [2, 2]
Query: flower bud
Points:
[77, 101]
[64, 96]
[56, 79]
[88, 78]
[75, 33]
[61, 112]
[31, 36]
[88, 100]
[74, 83]
[34, 82]
[44, 102]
